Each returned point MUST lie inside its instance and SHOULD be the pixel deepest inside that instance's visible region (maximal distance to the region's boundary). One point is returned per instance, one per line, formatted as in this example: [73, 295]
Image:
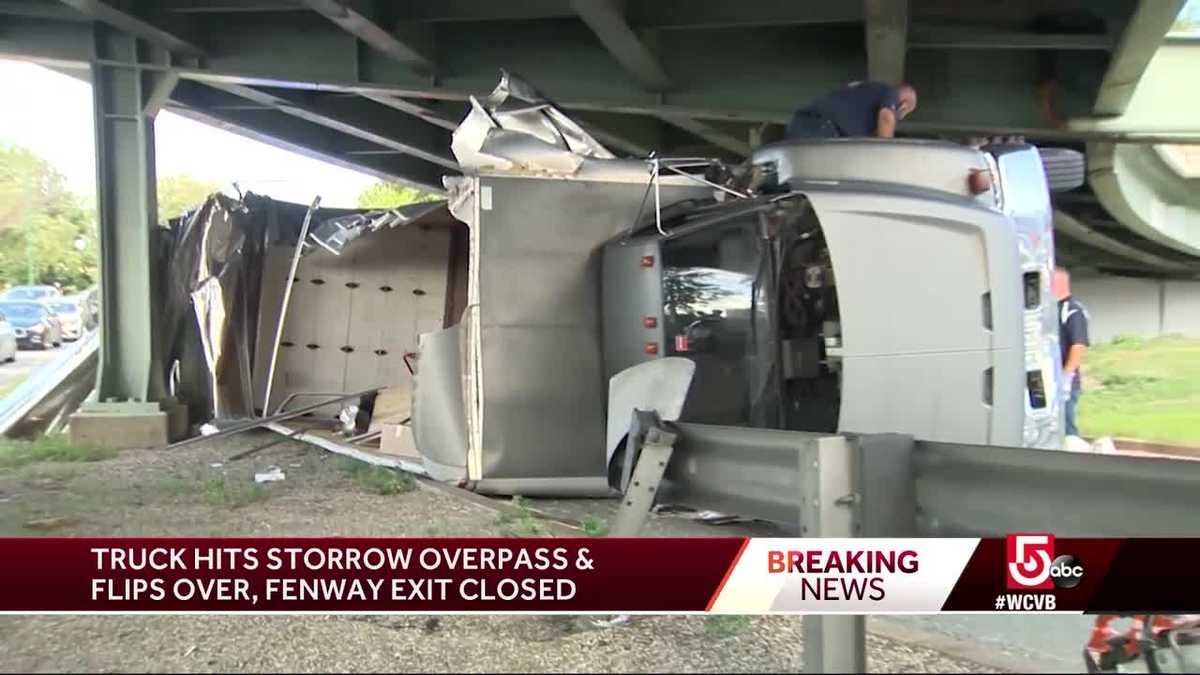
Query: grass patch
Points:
[1144, 389]
[175, 486]
[56, 448]
[377, 479]
[519, 520]
[723, 625]
[594, 526]
[234, 494]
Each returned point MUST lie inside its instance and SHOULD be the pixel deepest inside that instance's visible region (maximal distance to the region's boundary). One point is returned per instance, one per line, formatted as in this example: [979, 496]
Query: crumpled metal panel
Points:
[439, 418]
[334, 234]
[460, 190]
[660, 385]
[221, 290]
[518, 129]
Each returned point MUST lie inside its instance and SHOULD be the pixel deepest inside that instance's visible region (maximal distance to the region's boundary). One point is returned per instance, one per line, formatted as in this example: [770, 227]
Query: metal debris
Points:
[271, 475]
[516, 128]
[266, 421]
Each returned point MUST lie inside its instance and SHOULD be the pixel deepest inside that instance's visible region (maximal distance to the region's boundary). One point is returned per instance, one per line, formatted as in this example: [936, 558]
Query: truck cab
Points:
[861, 287]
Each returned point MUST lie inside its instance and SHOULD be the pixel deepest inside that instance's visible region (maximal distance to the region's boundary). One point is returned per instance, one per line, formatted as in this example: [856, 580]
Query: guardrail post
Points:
[651, 459]
[837, 643]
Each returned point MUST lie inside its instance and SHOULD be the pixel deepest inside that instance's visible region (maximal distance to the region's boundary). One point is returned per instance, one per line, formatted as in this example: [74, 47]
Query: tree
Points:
[47, 233]
[179, 193]
[384, 195]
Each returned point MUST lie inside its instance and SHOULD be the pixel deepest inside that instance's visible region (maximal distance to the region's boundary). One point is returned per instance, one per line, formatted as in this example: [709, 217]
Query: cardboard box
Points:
[393, 405]
[398, 440]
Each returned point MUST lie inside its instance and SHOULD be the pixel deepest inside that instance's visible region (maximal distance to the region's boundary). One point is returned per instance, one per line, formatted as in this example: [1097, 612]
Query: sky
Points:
[51, 114]
[1191, 12]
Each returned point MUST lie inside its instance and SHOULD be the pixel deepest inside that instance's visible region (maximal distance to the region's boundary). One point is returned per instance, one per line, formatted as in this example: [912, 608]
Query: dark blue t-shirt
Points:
[855, 107]
[1072, 325]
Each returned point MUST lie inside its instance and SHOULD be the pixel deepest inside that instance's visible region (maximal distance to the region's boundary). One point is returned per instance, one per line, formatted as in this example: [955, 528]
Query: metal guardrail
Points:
[899, 487]
[755, 473]
[889, 485]
[41, 402]
[967, 490]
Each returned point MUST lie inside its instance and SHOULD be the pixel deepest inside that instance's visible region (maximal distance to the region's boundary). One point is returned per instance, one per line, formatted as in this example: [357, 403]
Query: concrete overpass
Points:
[378, 86]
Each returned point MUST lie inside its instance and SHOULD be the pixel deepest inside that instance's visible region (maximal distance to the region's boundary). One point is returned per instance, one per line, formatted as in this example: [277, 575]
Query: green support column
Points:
[131, 407]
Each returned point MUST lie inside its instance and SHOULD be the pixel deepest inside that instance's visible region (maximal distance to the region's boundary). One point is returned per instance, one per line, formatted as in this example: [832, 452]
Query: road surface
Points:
[28, 360]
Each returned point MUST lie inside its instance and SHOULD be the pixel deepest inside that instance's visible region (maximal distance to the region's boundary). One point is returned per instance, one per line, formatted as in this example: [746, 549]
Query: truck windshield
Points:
[714, 313]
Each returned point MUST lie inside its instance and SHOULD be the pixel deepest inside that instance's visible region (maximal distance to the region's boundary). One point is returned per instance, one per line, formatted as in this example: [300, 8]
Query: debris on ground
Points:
[270, 475]
[47, 524]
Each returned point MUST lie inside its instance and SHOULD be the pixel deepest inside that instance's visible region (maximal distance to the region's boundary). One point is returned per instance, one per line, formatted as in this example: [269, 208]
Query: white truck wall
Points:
[339, 304]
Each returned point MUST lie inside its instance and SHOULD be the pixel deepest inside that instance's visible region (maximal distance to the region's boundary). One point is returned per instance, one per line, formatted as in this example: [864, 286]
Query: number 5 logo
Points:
[1030, 557]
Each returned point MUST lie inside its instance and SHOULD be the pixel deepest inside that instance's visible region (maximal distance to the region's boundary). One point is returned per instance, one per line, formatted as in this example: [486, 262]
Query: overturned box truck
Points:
[852, 285]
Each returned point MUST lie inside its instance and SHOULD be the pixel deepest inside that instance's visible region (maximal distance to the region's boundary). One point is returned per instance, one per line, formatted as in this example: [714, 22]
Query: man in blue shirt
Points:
[859, 109]
[1073, 338]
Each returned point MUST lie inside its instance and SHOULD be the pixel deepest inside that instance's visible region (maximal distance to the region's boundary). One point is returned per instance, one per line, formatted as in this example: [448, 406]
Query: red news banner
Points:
[367, 575]
[1023, 573]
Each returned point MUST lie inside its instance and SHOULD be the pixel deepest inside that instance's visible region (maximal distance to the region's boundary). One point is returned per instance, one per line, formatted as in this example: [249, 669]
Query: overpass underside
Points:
[379, 86]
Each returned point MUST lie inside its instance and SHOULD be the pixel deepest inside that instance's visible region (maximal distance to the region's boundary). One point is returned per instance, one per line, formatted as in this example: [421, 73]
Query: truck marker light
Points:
[681, 343]
[647, 261]
[649, 322]
[651, 348]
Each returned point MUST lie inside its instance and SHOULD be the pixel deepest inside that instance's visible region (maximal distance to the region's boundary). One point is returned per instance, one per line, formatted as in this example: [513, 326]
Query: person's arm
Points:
[885, 123]
[1075, 335]
[1074, 359]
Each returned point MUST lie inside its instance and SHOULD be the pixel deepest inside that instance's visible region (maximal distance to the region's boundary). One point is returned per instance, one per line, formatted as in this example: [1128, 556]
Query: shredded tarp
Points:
[212, 264]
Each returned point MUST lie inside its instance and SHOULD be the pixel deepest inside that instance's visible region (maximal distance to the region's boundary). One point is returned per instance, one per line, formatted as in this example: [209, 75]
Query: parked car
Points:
[32, 293]
[70, 313]
[35, 324]
[89, 303]
[8, 340]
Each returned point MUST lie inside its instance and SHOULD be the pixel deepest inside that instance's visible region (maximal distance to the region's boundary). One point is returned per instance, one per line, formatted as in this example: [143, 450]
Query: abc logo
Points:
[1066, 572]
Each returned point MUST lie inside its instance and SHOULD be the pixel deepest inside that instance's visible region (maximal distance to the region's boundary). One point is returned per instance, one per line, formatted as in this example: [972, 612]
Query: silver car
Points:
[8, 340]
[70, 315]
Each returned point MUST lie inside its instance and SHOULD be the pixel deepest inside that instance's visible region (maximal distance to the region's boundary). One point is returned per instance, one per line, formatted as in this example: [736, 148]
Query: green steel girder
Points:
[741, 74]
[125, 100]
[120, 14]
[298, 135]
[357, 117]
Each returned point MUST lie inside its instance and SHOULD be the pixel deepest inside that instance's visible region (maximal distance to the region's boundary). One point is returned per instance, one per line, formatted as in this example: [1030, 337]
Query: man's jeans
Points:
[808, 125]
[1071, 406]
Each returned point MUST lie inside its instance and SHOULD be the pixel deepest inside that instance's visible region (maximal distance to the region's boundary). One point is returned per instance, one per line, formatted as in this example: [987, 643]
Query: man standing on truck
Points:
[1073, 338]
[859, 109]
[865, 110]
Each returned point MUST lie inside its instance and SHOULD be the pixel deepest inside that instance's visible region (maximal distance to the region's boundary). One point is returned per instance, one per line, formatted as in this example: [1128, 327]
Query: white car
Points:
[8, 340]
[70, 315]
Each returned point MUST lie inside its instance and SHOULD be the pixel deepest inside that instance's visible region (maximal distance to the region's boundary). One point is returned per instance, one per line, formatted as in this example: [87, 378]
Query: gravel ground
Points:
[182, 494]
